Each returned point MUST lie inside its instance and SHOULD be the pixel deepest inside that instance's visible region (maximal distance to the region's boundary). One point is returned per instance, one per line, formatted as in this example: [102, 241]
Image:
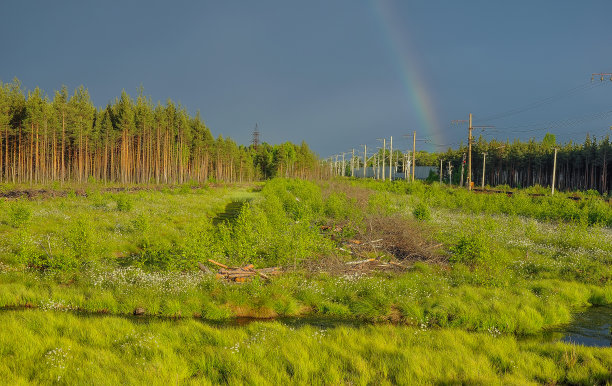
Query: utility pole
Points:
[337, 165]
[413, 154]
[390, 159]
[409, 165]
[365, 159]
[462, 166]
[554, 171]
[469, 176]
[470, 128]
[440, 171]
[375, 167]
[484, 162]
[383, 158]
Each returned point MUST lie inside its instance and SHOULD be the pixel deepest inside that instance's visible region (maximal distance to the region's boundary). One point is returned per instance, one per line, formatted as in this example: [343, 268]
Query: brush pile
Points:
[240, 274]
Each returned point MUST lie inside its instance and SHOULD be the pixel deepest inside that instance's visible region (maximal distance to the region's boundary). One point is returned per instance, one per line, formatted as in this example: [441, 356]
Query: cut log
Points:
[217, 263]
[241, 274]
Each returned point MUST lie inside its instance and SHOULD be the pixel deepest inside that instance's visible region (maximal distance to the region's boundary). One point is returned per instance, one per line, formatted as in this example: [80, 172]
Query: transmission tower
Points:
[255, 140]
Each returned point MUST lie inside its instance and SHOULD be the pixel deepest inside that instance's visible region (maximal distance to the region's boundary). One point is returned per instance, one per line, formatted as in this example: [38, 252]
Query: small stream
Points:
[589, 328]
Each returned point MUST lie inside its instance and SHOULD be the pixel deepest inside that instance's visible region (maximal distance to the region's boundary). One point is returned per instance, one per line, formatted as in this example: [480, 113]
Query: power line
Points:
[567, 122]
[533, 105]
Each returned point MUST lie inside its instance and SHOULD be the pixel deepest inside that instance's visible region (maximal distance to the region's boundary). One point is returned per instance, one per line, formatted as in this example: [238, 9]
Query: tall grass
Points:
[43, 347]
[588, 209]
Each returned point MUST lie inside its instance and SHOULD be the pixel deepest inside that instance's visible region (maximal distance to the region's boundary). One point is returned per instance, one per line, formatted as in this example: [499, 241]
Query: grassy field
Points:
[45, 347]
[482, 278]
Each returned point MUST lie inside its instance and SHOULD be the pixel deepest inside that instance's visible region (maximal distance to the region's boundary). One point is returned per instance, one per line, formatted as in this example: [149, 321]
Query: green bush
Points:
[124, 203]
[470, 249]
[338, 206]
[421, 212]
[79, 238]
[18, 214]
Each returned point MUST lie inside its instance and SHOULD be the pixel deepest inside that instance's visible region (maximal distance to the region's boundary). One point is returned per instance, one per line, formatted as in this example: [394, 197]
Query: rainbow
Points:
[409, 71]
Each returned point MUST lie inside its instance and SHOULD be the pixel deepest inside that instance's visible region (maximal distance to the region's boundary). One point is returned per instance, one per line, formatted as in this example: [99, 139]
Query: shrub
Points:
[79, 239]
[18, 214]
[470, 249]
[124, 203]
[421, 212]
[140, 224]
[338, 206]
[98, 200]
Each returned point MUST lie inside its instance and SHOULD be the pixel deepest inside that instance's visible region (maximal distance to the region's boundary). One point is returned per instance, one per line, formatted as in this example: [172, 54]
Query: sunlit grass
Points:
[98, 257]
[58, 347]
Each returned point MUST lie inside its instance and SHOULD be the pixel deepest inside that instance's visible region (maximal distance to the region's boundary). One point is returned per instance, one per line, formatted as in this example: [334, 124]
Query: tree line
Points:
[580, 166]
[67, 138]
[517, 164]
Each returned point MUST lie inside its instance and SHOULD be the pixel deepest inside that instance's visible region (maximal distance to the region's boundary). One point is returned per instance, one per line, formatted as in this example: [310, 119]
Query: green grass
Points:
[510, 267]
[52, 347]
[590, 209]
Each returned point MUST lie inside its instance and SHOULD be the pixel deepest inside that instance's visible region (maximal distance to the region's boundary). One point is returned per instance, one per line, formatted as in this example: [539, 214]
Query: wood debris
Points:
[243, 274]
[371, 265]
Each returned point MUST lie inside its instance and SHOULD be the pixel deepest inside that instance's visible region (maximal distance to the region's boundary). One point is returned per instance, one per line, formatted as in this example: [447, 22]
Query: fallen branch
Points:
[217, 263]
[359, 262]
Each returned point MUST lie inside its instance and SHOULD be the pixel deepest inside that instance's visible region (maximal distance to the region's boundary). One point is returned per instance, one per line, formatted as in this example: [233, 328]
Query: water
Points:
[590, 328]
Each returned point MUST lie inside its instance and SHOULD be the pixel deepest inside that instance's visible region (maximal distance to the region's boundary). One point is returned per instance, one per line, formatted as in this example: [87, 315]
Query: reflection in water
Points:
[590, 328]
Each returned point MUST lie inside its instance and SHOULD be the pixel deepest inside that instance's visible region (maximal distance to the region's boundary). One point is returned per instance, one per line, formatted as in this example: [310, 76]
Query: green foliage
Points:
[421, 211]
[533, 202]
[79, 238]
[18, 214]
[99, 200]
[339, 207]
[470, 249]
[124, 202]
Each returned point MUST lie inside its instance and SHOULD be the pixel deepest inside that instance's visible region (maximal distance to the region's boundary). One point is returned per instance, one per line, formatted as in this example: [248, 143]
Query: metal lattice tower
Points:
[255, 140]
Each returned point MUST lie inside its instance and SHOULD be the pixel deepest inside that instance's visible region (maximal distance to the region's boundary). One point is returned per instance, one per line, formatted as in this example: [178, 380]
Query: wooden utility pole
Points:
[469, 176]
[484, 162]
[554, 171]
[470, 128]
[391, 159]
[413, 154]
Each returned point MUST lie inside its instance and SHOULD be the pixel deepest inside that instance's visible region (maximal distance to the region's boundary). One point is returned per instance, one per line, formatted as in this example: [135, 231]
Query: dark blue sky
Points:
[337, 74]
